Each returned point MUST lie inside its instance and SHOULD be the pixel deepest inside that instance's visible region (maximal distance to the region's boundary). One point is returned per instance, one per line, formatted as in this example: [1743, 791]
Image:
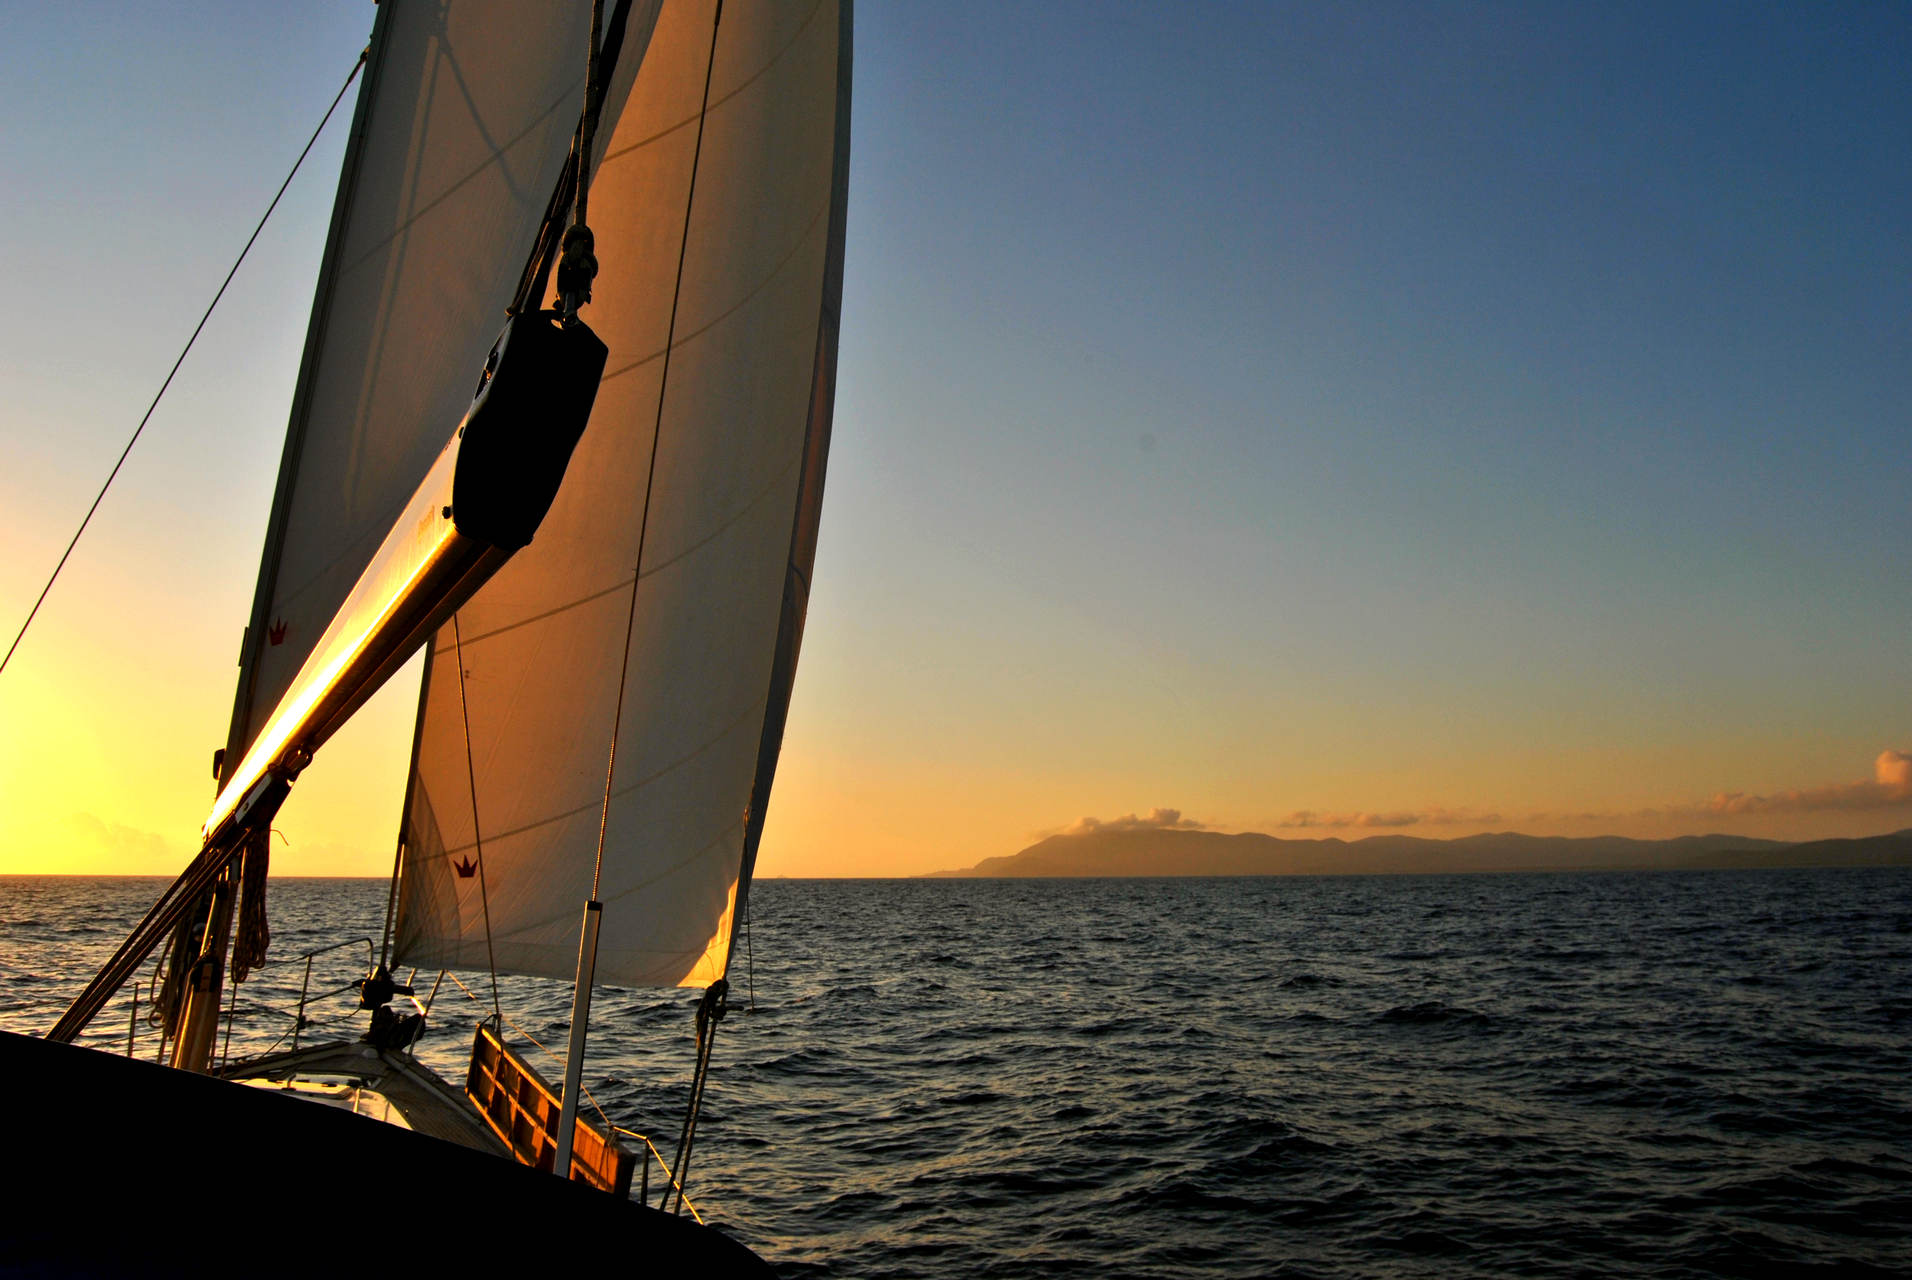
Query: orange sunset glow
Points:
[1342, 534]
[1078, 637]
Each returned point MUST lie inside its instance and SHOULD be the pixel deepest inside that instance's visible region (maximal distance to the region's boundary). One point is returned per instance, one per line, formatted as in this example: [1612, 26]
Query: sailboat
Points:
[603, 551]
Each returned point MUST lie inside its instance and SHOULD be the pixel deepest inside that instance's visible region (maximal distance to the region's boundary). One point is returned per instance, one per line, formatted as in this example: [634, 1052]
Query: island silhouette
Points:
[1156, 851]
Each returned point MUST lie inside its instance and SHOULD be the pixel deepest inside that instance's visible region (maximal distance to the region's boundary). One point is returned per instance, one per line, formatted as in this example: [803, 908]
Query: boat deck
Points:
[428, 1104]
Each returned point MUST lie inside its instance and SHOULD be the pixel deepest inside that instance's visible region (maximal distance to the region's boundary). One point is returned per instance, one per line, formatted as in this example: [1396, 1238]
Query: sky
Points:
[1321, 420]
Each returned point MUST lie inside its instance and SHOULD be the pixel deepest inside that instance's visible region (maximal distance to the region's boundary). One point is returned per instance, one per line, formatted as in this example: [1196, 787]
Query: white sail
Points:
[698, 557]
[459, 139]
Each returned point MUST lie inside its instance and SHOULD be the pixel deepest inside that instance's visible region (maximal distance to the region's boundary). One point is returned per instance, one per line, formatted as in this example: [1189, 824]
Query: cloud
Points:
[1154, 820]
[1889, 786]
[128, 844]
[1436, 816]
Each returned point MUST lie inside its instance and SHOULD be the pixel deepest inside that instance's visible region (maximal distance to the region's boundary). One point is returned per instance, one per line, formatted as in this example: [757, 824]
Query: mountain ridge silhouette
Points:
[1177, 852]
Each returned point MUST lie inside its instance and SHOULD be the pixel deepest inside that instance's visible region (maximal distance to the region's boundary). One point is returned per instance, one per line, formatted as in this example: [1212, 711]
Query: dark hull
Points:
[121, 1167]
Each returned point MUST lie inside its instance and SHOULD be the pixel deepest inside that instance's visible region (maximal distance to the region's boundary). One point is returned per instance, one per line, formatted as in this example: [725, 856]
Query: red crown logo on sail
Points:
[275, 634]
[466, 868]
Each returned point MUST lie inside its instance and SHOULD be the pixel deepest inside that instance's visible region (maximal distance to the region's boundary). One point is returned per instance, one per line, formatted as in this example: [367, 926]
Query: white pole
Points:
[574, 1056]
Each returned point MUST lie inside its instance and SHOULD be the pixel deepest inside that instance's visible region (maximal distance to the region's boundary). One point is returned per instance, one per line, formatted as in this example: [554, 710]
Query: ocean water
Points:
[1668, 1075]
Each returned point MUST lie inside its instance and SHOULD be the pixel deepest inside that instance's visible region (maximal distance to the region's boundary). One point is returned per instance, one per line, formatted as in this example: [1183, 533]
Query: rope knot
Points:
[713, 1006]
[577, 267]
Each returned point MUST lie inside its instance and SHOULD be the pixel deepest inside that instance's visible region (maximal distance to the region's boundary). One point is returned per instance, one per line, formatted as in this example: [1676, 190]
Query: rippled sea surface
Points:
[1673, 1074]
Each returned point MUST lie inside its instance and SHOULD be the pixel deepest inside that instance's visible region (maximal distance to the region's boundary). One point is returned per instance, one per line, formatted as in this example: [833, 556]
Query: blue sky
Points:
[1399, 396]
[1480, 409]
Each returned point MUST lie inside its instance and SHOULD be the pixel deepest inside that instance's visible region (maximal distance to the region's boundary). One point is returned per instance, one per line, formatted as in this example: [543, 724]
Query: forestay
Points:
[731, 376]
[463, 127]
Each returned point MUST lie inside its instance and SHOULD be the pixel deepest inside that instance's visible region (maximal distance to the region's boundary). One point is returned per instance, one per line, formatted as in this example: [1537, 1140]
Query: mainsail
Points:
[459, 139]
[673, 569]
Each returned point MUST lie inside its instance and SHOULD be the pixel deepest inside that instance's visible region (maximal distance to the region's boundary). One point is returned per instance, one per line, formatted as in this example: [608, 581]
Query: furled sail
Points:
[462, 130]
[673, 569]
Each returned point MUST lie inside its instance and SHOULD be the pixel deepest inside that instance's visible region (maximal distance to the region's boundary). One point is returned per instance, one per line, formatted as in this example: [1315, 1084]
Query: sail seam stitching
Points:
[740, 720]
[373, 530]
[730, 522]
[755, 290]
[287, 599]
[754, 76]
[650, 477]
[534, 926]
[491, 161]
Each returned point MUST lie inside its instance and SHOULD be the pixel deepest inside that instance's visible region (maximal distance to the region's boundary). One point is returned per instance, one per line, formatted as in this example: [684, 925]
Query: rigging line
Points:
[391, 893]
[646, 780]
[710, 1012]
[477, 835]
[690, 1119]
[545, 247]
[414, 796]
[111, 475]
[536, 1044]
[587, 128]
[747, 510]
[659, 1156]
[743, 300]
[650, 476]
[736, 89]
[495, 159]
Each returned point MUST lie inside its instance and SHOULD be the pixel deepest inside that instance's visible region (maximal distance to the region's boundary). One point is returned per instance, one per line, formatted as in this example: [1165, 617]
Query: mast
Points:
[574, 286]
[200, 1015]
